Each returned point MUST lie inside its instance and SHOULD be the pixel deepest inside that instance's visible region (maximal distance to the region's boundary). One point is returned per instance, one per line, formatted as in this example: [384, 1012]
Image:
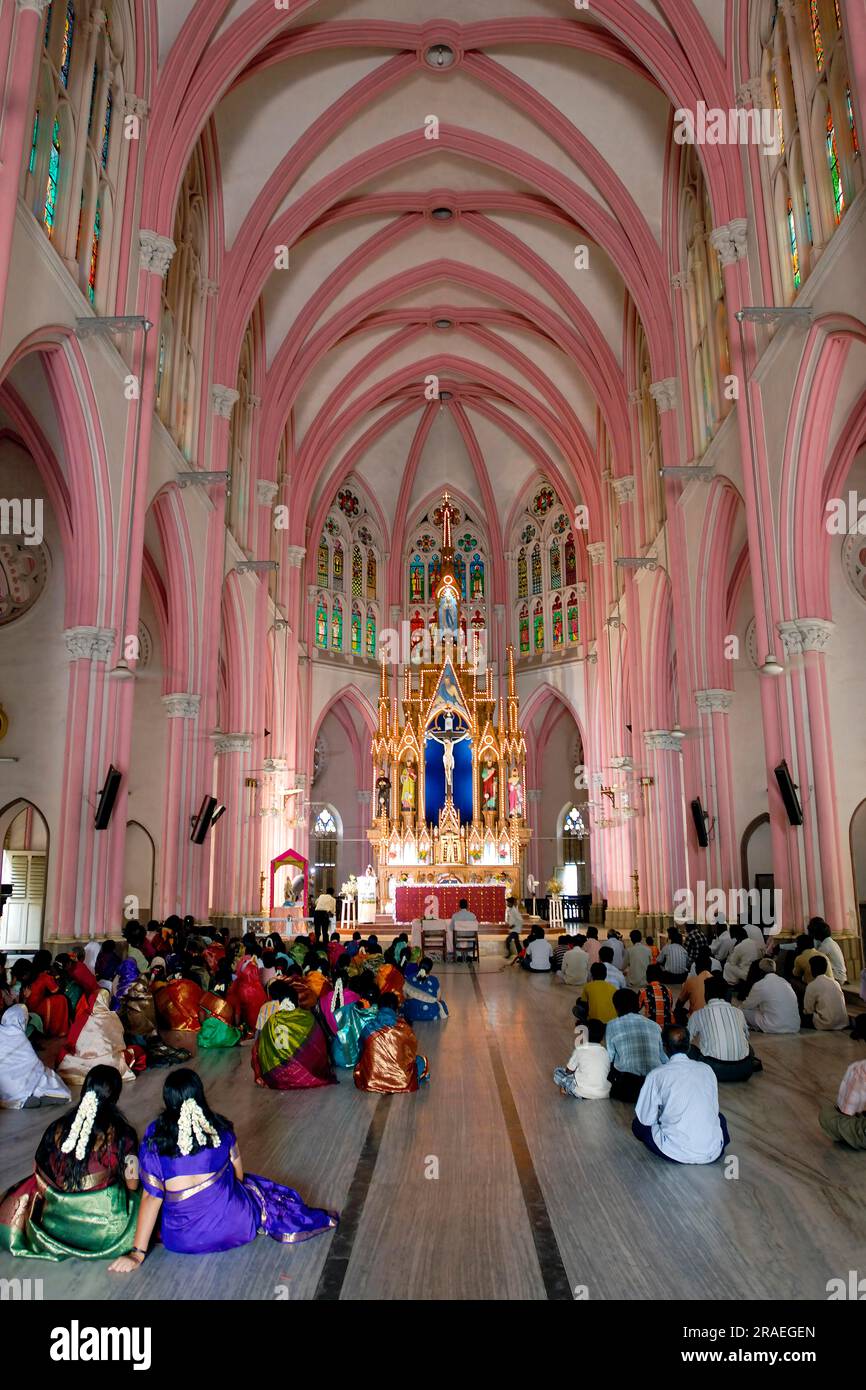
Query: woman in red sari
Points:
[247, 994]
[46, 997]
[177, 1005]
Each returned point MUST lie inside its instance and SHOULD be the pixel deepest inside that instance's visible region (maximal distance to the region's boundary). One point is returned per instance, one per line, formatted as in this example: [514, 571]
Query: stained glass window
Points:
[777, 103]
[555, 566]
[570, 560]
[106, 130]
[356, 630]
[321, 624]
[536, 569]
[476, 578]
[792, 239]
[522, 579]
[460, 571]
[338, 566]
[817, 41]
[94, 252]
[557, 628]
[574, 825]
[372, 574]
[371, 632]
[835, 172]
[53, 181]
[435, 568]
[538, 627]
[852, 124]
[524, 631]
[34, 142]
[357, 572]
[573, 620]
[68, 36]
[323, 564]
[337, 626]
[416, 580]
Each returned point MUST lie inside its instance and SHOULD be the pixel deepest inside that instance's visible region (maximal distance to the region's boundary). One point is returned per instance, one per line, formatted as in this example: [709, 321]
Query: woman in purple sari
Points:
[194, 1183]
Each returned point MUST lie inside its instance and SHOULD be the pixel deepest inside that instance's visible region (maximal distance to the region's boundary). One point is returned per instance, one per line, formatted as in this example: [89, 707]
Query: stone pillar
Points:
[231, 872]
[179, 804]
[663, 817]
[721, 853]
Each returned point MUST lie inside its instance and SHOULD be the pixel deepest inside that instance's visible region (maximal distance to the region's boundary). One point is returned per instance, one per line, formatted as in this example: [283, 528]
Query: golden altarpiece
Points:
[449, 760]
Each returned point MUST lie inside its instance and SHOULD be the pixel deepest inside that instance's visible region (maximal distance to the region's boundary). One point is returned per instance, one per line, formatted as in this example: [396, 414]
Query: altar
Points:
[449, 768]
[426, 900]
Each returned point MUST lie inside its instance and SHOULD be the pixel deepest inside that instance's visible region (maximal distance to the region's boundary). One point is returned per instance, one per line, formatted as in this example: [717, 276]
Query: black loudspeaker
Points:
[107, 798]
[788, 788]
[700, 821]
[202, 822]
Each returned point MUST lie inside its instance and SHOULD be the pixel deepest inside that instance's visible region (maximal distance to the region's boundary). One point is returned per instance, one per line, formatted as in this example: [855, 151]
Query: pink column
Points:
[179, 801]
[20, 34]
[713, 707]
[230, 858]
[663, 804]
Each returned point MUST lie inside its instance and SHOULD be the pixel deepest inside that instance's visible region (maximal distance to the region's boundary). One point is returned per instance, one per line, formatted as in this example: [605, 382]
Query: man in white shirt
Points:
[754, 933]
[638, 957]
[677, 1113]
[820, 933]
[614, 974]
[575, 964]
[722, 944]
[514, 923]
[539, 953]
[326, 902]
[771, 1005]
[615, 943]
[585, 1075]
[741, 957]
[824, 1005]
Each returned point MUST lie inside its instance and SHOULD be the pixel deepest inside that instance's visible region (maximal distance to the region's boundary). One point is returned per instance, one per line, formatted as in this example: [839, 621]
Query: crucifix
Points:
[448, 737]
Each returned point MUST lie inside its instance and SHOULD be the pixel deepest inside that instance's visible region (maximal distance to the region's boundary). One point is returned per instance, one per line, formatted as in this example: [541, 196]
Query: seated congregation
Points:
[98, 1015]
[660, 1028]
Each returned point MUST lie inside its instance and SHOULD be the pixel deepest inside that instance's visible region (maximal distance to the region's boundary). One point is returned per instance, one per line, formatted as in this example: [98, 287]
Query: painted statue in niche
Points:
[408, 785]
[383, 795]
[448, 614]
[515, 794]
[489, 785]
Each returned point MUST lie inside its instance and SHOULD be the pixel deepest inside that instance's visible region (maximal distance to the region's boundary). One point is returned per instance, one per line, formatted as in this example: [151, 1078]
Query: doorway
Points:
[24, 866]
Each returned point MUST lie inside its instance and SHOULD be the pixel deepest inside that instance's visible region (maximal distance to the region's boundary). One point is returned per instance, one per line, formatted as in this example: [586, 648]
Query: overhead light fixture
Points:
[122, 671]
[442, 323]
[442, 214]
[677, 732]
[771, 666]
[439, 56]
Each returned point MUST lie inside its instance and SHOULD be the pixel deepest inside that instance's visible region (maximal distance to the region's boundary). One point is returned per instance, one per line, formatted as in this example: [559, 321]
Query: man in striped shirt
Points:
[846, 1120]
[719, 1036]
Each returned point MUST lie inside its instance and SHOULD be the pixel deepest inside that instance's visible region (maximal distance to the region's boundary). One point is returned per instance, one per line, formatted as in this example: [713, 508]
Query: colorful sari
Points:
[422, 1002]
[213, 954]
[390, 1061]
[42, 1218]
[390, 980]
[345, 1019]
[126, 976]
[48, 1001]
[246, 995]
[217, 1022]
[138, 1010]
[291, 1052]
[177, 1006]
[100, 1044]
[220, 1212]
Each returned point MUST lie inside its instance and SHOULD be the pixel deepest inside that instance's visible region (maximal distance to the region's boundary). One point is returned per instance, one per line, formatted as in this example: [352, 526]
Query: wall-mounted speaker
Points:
[202, 822]
[107, 798]
[699, 817]
[788, 788]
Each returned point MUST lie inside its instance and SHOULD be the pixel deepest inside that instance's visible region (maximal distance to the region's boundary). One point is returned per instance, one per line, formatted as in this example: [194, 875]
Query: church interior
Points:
[430, 451]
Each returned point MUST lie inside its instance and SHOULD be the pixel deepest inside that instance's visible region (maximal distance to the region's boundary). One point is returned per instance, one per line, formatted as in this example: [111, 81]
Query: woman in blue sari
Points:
[421, 997]
[194, 1184]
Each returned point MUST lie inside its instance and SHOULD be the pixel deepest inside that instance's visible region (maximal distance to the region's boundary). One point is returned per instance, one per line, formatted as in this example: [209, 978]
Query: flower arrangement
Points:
[350, 889]
[554, 886]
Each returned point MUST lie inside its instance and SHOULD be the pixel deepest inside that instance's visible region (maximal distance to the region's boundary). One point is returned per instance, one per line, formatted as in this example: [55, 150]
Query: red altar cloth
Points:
[486, 901]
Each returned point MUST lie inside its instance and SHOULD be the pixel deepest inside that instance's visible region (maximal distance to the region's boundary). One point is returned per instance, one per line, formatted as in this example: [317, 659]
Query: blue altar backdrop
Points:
[434, 790]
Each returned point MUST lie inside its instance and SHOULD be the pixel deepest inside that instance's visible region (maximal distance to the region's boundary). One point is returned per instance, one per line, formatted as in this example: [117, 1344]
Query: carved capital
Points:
[730, 240]
[624, 489]
[806, 634]
[582, 589]
[135, 105]
[223, 400]
[714, 701]
[662, 741]
[664, 393]
[233, 743]
[156, 252]
[752, 92]
[182, 706]
[266, 491]
[681, 280]
[596, 552]
[636, 396]
[295, 556]
[89, 643]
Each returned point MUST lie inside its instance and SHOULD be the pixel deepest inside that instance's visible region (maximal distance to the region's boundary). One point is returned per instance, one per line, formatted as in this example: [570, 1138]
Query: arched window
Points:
[338, 567]
[704, 306]
[538, 627]
[323, 564]
[476, 578]
[570, 560]
[522, 574]
[182, 324]
[543, 543]
[573, 619]
[356, 630]
[372, 572]
[75, 160]
[416, 580]
[523, 624]
[322, 622]
[555, 565]
[435, 572]
[349, 535]
[371, 633]
[357, 572]
[537, 581]
[460, 571]
[337, 626]
[573, 833]
[326, 838]
[557, 626]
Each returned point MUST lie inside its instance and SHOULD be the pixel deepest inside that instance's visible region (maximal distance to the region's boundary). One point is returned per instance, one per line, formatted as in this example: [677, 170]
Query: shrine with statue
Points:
[449, 763]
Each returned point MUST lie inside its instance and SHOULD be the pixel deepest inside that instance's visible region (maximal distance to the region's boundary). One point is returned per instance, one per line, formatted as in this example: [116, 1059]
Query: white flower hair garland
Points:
[194, 1128]
[79, 1133]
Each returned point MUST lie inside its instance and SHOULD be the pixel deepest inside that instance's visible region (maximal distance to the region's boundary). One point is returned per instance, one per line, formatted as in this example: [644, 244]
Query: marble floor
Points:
[490, 1185]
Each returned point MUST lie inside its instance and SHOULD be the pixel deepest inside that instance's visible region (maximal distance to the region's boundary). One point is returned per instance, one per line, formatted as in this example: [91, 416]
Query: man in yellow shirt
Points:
[802, 971]
[596, 1000]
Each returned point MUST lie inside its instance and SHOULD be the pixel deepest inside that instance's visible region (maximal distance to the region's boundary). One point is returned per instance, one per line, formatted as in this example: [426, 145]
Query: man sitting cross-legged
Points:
[720, 1036]
[634, 1046]
[677, 1113]
[846, 1120]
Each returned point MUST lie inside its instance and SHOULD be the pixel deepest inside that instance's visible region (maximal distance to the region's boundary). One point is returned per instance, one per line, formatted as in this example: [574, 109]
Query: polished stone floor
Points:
[490, 1185]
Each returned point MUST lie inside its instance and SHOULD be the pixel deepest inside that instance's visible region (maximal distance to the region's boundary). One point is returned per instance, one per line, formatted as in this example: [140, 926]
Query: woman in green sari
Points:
[82, 1198]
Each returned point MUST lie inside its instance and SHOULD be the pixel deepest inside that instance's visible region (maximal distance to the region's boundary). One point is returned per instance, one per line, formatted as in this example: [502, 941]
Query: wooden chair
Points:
[434, 940]
[466, 943]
